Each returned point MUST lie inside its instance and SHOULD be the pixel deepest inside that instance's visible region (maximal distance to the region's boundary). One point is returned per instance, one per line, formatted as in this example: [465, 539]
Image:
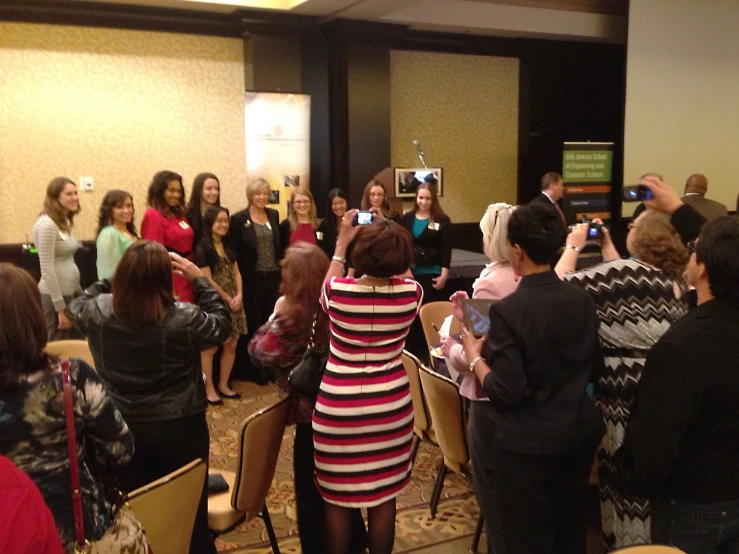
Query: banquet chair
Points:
[435, 313]
[422, 428]
[448, 414]
[166, 507]
[70, 349]
[260, 439]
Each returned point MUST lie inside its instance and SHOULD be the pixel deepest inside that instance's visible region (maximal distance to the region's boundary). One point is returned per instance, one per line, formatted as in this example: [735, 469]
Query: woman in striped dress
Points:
[363, 420]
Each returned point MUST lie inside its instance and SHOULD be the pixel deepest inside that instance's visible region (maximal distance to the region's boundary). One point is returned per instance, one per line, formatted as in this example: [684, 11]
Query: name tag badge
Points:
[319, 235]
[434, 226]
[184, 225]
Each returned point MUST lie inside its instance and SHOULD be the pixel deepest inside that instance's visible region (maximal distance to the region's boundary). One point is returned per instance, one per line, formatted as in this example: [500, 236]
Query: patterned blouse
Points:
[279, 349]
[33, 435]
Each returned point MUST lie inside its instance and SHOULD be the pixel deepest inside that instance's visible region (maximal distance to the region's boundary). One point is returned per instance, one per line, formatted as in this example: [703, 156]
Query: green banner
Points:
[587, 166]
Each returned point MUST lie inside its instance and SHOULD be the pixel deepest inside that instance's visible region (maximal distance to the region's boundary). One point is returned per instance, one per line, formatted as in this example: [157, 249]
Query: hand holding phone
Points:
[364, 217]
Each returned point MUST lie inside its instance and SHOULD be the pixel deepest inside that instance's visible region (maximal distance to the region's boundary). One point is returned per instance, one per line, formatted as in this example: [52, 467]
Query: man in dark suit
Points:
[552, 191]
[682, 443]
[540, 353]
[695, 195]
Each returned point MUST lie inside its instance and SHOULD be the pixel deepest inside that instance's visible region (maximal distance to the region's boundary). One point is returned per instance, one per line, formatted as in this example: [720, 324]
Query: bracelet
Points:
[339, 259]
[473, 362]
[575, 248]
[338, 263]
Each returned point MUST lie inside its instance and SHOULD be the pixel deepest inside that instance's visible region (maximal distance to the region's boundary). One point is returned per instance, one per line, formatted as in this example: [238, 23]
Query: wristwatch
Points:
[473, 362]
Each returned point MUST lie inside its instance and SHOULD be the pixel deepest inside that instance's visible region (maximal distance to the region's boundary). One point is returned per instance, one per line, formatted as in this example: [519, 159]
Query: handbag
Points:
[306, 376]
[125, 534]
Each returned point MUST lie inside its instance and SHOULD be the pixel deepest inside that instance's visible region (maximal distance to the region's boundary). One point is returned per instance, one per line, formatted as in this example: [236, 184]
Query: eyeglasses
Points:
[691, 246]
[301, 202]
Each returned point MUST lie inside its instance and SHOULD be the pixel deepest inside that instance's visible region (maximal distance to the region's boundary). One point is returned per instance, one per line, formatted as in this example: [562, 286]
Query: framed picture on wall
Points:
[407, 180]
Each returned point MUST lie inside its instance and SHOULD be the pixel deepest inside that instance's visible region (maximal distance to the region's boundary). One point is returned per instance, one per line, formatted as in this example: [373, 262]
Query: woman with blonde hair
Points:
[496, 281]
[255, 239]
[637, 300]
[302, 221]
[56, 245]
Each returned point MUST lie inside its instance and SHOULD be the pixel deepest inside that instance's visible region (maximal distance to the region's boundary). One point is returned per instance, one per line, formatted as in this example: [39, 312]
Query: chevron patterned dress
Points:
[636, 305]
[363, 421]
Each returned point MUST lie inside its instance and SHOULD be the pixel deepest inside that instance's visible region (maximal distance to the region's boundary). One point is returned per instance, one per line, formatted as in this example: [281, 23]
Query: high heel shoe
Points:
[234, 396]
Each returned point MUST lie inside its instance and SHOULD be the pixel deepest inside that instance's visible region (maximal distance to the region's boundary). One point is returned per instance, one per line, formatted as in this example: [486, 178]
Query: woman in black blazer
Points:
[328, 229]
[431, 230]
[535, 363]
[432, 242]
[255, 238]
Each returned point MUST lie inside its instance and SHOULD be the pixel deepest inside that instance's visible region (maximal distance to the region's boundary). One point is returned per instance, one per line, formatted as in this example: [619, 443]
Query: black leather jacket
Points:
[153, 373]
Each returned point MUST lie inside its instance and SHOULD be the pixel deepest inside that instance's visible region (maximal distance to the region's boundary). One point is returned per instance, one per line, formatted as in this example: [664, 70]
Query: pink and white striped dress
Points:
[363, 422]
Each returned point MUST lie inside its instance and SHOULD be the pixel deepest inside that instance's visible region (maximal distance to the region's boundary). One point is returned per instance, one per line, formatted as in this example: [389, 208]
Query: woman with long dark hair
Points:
[328, 231]
[32, 421]
[165, 222]
[217, 260]
[206, 192]
[431, 230]
[116, 231]
[146, 347]
[56, 245]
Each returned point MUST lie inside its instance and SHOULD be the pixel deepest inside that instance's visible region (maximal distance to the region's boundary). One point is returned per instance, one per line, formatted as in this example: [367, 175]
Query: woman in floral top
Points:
[33, 430]
[278, 346]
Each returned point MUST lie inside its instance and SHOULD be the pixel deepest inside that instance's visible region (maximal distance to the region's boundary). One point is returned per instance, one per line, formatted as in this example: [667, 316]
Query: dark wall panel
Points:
[368, 103]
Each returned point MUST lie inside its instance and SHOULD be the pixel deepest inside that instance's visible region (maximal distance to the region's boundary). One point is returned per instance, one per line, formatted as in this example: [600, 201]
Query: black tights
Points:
[381, 528]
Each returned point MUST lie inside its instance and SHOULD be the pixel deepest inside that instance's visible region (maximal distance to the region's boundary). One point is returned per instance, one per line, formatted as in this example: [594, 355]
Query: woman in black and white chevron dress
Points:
[637, 301]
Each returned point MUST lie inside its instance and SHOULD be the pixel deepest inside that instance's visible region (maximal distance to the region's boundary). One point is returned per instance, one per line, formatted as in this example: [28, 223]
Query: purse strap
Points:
[311, 340]
[74, 470]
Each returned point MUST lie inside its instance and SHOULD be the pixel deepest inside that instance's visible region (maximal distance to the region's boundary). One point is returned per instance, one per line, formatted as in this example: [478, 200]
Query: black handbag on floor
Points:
[306, 376]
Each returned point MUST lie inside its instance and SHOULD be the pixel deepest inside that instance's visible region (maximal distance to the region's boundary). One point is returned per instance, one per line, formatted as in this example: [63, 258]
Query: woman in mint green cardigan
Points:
[116, 231]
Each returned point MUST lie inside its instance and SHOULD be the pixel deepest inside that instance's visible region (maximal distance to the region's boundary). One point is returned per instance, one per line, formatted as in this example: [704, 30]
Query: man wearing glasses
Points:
[682, 443]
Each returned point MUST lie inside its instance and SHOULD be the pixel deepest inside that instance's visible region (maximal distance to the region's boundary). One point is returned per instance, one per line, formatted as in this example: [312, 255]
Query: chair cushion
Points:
[221, 516]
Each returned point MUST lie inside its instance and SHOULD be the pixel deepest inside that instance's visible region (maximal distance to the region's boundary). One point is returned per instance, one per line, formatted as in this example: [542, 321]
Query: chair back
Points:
[166, 508]
[649, 549]
[436, 312]
[70, 349]
[421, 417]
[447, 413]
[260, 439]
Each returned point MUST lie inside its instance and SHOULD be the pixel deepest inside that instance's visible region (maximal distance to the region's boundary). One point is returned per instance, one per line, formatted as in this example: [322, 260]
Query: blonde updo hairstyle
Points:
[494, 227]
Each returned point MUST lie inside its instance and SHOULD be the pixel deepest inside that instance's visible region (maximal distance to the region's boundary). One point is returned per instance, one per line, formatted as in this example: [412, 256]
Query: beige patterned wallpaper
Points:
[464, 112]
[118, 106]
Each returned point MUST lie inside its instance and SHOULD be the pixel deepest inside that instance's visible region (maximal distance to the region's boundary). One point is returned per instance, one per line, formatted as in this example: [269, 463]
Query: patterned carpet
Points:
[455, 518]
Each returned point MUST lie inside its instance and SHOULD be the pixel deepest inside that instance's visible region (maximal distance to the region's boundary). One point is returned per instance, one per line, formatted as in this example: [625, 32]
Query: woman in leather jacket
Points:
[147, 349]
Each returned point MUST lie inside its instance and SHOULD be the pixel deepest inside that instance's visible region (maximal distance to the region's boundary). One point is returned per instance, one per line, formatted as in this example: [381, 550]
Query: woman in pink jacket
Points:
[496, 281]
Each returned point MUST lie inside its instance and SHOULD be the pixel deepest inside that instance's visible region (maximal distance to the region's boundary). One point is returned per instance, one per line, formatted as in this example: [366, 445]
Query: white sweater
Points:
[60, 276]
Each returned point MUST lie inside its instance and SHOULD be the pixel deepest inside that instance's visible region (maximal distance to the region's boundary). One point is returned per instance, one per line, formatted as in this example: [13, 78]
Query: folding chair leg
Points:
[270, 530]
[437, 490]
[414, 448]
[478, 533]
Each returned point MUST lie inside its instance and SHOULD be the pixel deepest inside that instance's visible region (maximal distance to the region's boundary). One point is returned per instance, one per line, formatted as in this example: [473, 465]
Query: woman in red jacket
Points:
[165, 222]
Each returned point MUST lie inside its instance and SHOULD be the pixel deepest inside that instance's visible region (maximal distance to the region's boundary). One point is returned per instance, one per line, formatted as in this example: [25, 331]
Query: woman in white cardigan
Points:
[56, 245]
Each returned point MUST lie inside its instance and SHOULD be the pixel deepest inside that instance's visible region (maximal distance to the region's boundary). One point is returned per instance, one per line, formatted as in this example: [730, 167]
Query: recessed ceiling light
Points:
[283, 5]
